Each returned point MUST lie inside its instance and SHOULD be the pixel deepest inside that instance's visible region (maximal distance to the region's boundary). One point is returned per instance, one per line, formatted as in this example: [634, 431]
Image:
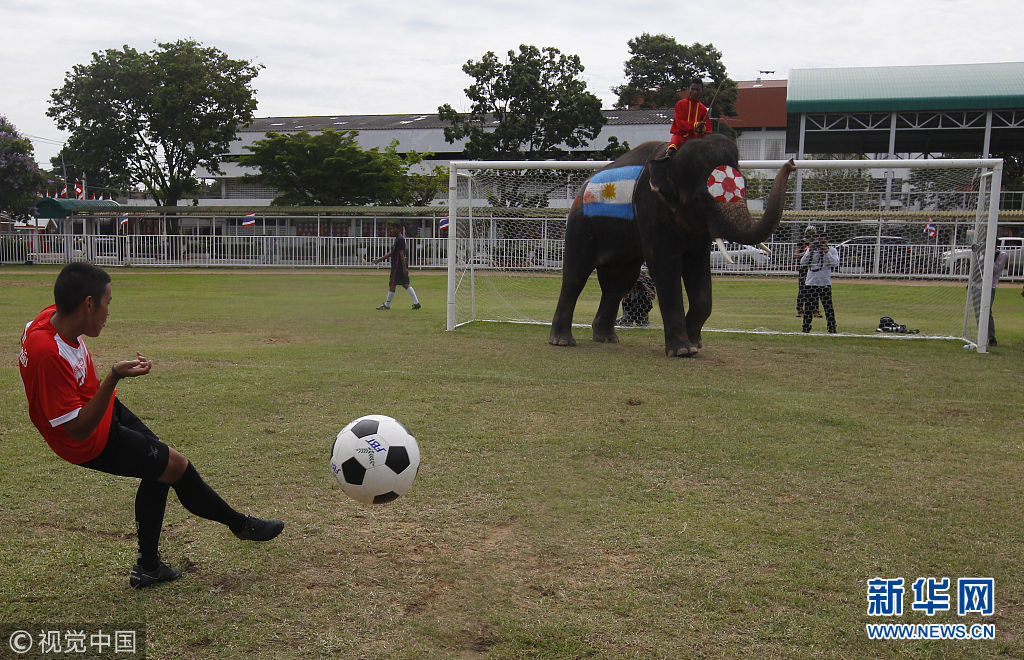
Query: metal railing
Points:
[924, 261]
[180, 250]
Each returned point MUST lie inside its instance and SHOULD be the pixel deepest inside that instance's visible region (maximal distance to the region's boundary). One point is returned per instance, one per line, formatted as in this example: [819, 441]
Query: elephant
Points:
[645, 207]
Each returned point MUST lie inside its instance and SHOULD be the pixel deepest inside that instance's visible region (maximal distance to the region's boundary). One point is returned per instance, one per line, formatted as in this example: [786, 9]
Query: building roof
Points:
[51, 207]
[424, 121]
[899, 88]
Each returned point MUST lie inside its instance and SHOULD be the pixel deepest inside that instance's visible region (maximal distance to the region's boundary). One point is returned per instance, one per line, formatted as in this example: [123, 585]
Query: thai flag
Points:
[930, 229]
[443, 225]
[249, 220]
[124, 221]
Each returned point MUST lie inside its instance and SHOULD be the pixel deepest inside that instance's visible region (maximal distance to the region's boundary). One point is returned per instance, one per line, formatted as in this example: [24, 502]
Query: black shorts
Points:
[132, 449]
[398, 278]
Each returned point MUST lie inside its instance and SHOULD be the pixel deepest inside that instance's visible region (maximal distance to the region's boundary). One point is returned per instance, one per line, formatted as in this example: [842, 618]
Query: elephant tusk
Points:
[764, 247]
[721, 248]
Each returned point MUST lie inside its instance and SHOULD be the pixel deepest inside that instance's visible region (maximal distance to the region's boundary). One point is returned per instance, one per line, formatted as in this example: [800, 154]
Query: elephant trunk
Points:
[736, 223]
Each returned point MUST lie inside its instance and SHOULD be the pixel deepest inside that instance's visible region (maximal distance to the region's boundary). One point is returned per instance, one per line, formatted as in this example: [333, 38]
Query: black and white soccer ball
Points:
[375, 459]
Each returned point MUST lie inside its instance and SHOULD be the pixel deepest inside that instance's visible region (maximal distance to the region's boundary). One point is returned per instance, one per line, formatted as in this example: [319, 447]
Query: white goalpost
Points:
[916, 240]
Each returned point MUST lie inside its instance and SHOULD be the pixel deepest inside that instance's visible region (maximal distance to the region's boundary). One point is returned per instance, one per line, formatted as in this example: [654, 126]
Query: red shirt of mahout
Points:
[688, 114]
[59, 378]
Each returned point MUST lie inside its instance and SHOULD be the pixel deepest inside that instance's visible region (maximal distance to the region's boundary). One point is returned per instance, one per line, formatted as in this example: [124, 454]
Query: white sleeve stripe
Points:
[67, 417]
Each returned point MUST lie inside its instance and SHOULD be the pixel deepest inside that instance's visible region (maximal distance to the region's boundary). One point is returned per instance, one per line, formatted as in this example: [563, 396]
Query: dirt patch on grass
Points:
[425, 598]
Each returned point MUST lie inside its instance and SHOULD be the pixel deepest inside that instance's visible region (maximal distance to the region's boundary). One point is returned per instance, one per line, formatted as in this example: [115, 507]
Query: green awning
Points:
[940, 87]
[51, 207]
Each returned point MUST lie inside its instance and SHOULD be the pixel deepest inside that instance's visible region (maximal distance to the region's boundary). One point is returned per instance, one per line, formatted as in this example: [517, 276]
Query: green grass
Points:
[746, 303]
[600, 501]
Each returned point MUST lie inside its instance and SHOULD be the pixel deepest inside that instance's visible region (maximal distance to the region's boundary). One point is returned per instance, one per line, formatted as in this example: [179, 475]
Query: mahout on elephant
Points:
[667, 212]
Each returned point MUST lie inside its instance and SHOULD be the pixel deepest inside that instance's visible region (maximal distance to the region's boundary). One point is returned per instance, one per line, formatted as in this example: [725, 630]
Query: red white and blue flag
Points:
[124, 221]
[249, 220]
[930, 229]
[443, 225]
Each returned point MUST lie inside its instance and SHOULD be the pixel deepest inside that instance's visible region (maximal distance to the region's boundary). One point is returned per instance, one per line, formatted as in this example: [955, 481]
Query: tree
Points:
[67, 167]
[153, 118]
[331, 169]
[1013, 166]
[659, 66]
[530, 107]
[613, 149]
[20, 176]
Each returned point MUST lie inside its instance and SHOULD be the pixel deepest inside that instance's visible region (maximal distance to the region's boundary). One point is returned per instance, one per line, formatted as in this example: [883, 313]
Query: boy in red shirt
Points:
[692, 118]
[82, 420]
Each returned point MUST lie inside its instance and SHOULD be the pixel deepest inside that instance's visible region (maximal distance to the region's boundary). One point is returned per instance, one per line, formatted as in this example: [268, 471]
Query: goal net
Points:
[915, 240]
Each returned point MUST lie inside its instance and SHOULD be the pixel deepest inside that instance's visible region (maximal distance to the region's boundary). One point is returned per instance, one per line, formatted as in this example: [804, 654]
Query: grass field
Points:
[756, 302]
[601, 501]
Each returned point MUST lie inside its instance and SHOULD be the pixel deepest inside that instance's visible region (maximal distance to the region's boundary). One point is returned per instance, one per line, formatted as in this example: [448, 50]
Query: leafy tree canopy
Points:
[153, 118]
[1013, 165]
[659, 67]
[530, 106]
[331, 169]
[20, 176]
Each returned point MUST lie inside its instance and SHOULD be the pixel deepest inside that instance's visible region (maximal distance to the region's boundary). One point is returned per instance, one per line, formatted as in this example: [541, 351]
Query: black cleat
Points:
[257, 529]
[140, 578]
[417, 306]
[384, 307]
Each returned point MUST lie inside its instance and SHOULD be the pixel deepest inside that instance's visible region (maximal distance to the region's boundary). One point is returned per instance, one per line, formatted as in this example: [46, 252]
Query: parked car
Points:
[745, 257]
[959, 260]
[857, 254]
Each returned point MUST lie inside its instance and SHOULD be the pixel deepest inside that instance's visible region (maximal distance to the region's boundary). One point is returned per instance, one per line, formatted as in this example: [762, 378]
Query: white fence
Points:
[925, 260]
[181, 250]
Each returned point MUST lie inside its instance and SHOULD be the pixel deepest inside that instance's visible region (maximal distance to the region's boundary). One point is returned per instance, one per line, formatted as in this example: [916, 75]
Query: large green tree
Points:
[531, 106]
[20, 176]
[152, 118]
[659, 66]
[331, 169]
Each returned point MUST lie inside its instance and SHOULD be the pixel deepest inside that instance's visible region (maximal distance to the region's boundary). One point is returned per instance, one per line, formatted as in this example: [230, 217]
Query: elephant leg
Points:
[573, 281]
[616, 281]
[670, 302]
[697, 280]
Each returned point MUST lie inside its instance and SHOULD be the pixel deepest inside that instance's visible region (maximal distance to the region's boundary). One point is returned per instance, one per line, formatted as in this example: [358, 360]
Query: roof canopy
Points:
[897, 88]
[907, 109]
[51, 207]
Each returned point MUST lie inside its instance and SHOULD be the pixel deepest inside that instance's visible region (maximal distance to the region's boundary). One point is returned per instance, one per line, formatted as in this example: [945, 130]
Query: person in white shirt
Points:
[820, 258]
[998, 266]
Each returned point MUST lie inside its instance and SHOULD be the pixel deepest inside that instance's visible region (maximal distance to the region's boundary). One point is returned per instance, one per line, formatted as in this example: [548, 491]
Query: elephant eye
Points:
[726, 184]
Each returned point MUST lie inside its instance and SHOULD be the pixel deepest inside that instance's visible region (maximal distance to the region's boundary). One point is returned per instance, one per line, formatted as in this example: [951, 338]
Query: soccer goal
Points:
[915, 238]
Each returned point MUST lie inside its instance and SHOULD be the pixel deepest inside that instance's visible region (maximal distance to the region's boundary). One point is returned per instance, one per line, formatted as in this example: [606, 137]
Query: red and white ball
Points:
[726, 184]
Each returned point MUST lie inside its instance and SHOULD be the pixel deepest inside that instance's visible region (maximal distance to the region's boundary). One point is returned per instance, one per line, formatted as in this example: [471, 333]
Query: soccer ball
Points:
[375, 459]
[726, 184]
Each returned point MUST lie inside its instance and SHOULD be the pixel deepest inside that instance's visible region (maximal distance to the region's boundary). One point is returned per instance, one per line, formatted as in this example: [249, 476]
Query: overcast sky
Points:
[326, 57]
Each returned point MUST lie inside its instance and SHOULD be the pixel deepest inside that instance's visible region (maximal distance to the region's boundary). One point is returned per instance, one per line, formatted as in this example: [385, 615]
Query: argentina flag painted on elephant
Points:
[610, 193]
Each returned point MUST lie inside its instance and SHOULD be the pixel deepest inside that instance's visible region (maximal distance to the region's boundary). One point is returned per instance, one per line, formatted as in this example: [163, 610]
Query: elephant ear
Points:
[661, 182]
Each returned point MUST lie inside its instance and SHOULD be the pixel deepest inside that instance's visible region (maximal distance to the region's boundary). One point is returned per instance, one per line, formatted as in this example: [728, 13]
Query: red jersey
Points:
[688, 115]
[59, 378]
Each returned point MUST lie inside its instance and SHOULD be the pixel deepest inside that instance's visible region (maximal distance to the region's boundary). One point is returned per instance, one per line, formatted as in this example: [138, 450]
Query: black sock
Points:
[196, 496]
[150, 503]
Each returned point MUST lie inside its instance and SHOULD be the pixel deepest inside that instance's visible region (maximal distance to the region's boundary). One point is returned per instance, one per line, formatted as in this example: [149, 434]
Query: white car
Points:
[745, 257]
[959, 260]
